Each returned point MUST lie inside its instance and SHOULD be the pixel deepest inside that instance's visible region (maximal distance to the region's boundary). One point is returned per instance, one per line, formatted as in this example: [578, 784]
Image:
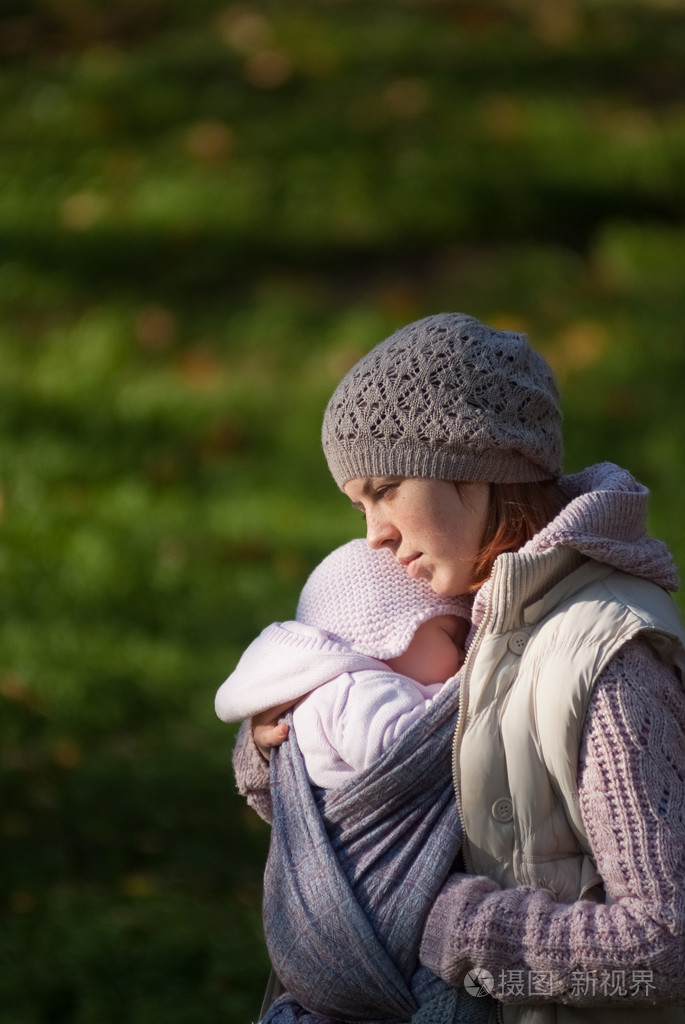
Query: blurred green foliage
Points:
[208, 212]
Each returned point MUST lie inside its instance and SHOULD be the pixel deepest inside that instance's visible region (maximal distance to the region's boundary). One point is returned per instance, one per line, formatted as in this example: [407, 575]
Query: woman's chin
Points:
[447, 586]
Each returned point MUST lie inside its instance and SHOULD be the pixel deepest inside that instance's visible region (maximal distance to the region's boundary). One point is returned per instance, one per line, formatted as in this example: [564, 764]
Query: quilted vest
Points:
[553, 623]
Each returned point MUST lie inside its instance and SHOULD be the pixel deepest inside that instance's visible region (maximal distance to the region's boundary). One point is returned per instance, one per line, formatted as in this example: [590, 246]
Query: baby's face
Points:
[436, 651]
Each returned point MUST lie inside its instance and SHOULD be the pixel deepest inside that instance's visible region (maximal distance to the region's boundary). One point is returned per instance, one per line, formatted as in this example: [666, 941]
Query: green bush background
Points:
[208, 211]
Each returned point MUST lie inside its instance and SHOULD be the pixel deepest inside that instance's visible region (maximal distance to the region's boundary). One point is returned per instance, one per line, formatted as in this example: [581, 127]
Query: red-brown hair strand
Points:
[517, 512]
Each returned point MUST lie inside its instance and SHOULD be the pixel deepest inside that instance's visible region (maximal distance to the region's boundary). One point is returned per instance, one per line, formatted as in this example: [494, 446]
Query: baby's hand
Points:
[268, 732]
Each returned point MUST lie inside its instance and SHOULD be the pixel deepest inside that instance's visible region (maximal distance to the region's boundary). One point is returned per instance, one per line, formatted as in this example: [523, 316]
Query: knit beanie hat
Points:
[365, 598]
[450, 398]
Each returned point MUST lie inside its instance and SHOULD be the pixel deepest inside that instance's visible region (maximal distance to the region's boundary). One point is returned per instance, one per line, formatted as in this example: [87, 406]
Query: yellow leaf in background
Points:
[82, 210]
[406, 97]
[340, 360]
[267, 69]
[635, 126]
[138, 886]
[577, 347]
[557, 24]
[66, 753]
[17, 690]
[502, 116]
[200, 369]
[244, 30]
[509, 322]
[155, 327]
[398, 299]
[210, 142]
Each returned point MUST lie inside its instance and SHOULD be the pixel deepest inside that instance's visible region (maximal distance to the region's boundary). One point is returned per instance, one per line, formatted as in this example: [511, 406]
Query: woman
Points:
[569, 750]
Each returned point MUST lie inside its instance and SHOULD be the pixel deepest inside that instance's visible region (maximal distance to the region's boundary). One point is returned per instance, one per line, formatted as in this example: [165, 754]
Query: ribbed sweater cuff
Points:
[457, 901]
[252, 773]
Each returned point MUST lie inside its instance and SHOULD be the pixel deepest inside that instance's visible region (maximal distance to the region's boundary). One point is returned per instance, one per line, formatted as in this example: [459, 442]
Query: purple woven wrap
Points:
[351, 875]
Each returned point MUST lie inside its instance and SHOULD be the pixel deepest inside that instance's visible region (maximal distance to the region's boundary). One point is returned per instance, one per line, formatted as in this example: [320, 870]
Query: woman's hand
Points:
[267, 731]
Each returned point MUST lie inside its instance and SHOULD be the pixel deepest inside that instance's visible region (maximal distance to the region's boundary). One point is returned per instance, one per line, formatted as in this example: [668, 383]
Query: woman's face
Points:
[431, 526]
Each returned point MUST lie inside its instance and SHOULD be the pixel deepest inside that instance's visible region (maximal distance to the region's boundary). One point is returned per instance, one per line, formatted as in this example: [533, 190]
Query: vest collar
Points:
[521, 579]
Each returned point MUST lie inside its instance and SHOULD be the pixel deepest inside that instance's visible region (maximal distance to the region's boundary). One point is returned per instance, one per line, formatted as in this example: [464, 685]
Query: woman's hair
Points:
[516, 513]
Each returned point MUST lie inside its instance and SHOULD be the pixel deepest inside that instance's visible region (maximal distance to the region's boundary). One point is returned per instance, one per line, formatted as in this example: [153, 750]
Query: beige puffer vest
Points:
[553, 623]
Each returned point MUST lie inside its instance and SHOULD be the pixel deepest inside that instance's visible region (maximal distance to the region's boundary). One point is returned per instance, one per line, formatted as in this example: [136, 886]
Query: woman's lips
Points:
[411, 564]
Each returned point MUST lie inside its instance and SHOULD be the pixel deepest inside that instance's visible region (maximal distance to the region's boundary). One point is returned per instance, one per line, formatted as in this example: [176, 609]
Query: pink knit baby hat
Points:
[366, 598]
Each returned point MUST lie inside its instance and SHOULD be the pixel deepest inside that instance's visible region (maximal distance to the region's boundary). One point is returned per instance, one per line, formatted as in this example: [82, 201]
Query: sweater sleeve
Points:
[632, 794]
[252, 773]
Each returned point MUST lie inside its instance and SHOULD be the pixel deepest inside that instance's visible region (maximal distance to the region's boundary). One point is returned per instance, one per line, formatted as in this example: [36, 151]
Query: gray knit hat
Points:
[450, 398]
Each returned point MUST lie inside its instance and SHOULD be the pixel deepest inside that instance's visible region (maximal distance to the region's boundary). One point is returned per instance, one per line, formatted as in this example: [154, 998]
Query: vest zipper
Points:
[459, 730]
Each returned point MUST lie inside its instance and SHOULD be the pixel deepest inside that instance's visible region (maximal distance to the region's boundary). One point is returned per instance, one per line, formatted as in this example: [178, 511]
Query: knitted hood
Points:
[366, 598]
[606, 519]
[357, 607]
[286, 661]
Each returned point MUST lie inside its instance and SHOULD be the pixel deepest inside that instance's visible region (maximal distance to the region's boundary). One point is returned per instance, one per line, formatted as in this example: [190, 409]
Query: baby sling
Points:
[351, 875]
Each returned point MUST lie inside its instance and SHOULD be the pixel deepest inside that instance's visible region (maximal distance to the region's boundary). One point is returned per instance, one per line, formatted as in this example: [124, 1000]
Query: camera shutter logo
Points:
[479, 982]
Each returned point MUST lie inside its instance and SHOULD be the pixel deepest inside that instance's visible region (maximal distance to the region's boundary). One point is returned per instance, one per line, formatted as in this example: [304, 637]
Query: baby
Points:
[370, 648]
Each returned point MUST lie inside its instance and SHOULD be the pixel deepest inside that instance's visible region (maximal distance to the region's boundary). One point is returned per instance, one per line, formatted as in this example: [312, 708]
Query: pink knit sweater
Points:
[632, 792]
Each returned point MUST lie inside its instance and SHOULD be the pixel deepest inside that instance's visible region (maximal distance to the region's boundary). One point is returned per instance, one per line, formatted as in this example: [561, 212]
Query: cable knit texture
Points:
[446, 397]
[631, 789]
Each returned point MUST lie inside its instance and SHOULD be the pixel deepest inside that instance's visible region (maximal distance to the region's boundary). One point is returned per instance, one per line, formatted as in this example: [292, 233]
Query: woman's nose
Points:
[380, 532]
